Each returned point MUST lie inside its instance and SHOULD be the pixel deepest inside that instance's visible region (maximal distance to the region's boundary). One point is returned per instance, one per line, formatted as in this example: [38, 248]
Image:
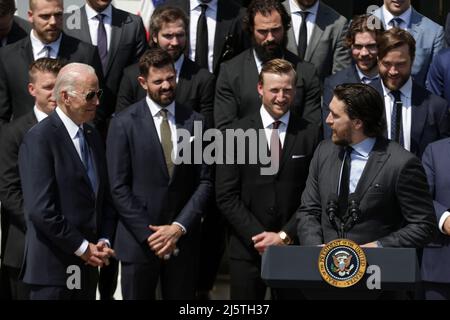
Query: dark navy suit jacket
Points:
[61, 208]
[438, 80]
[436, 257]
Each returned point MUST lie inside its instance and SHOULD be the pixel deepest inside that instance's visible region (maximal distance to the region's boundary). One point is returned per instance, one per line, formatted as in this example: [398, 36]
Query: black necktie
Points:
[102, 42]
[345, 181]
[201, 45]
[396, 118]
[302, 36]
[275, 144]
[396, 22]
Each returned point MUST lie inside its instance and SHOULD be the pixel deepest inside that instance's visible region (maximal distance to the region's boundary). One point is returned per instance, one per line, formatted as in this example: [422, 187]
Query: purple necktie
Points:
[102, 42]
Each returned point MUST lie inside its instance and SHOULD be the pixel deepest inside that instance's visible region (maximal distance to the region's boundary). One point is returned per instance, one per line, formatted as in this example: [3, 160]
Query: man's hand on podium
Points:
[264, 239]
[373, 244]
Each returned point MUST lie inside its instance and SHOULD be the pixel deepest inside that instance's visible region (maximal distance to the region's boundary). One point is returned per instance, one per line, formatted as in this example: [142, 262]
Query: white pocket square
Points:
[297, 156]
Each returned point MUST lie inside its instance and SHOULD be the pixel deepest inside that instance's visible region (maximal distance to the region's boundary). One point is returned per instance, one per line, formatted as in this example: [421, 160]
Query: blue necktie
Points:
[87, 160]
[102, 42]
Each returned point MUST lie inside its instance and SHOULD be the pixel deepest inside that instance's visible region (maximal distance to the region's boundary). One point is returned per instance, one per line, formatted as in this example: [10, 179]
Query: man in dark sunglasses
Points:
[68, 212]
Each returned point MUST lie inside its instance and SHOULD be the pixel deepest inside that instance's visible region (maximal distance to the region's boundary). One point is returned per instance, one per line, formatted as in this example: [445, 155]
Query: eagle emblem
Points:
[342, 263]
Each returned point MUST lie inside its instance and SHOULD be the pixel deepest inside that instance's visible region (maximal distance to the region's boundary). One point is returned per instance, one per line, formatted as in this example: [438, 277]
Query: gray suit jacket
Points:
[429, 38]
[396, 207]
[325, 48]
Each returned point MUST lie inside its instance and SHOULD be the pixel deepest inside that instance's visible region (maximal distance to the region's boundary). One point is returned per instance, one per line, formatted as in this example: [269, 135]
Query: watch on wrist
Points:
[284, 238]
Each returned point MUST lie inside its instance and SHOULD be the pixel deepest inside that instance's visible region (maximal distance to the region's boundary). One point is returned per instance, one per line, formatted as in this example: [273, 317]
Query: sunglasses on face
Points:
[91, 94]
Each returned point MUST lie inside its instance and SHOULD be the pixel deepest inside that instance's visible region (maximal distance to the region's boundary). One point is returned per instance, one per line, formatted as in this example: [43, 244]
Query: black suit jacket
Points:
[347, 75]
[142, 190]
[128, 43]
[429, 118]
[396, 207]
[229, 39]
[61, 208]
[253, 202]
[15, 59]
[447, 30]
[13, 219]
[237, 94]
[20, 29]
[195, 89]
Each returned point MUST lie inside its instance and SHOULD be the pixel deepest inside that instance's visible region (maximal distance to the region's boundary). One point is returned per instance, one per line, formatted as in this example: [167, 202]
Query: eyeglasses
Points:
[91, 94]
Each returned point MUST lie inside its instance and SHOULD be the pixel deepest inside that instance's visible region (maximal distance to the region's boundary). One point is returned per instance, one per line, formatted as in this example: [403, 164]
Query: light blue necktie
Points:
[87, 160]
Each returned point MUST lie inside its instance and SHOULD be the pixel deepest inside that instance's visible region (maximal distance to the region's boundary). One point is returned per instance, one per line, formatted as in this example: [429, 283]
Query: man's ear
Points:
[142, 82]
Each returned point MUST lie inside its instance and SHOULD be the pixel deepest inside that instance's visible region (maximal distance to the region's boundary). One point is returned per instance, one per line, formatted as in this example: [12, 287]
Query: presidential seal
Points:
[342, 263]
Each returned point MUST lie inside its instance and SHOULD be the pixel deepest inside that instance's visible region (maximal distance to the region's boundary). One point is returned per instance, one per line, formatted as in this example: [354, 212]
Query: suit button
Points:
[272, 210]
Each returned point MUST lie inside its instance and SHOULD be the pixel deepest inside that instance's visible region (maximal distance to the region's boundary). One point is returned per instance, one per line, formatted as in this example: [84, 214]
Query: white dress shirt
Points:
[39, 50]
[39, 114]
[268, 120]
[178, 65]
[94, 22]
[406, 92]
[405, 16]
[297, 19]
[211, 21]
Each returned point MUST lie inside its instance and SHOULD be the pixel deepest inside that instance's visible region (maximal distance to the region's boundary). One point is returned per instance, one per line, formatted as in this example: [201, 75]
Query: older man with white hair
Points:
[68, 211]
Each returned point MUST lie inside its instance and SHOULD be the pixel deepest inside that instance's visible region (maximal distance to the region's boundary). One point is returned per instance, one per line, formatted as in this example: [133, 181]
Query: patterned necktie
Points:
[344, 186]
[87, 159]
[275, 145]
[166, 140]
[302, 36]
[102, 42]
[396, 118]
[201, 45]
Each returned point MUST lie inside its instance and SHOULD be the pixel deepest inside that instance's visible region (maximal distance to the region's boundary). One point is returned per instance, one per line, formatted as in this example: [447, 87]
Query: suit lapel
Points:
[414, 25]
[183, 120]
[419, 113]
[222, 27]
[377, 159]
[86, 34]
[292, 44]
[319, 27]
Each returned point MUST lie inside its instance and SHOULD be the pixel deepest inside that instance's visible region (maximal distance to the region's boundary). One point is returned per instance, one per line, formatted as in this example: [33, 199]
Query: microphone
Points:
[353, 211]
[333, 210]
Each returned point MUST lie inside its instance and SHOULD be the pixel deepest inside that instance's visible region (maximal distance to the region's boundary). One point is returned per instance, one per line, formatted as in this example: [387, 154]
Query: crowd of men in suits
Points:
[89, 113]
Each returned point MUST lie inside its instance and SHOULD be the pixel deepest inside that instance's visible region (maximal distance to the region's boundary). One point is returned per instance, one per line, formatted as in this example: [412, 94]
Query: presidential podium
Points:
[397, 270]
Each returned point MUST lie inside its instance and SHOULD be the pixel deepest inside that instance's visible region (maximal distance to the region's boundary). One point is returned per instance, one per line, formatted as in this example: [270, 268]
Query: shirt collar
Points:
[296, 8]
[155, 108]
[405, 16]
[195, 5]
[268, 120]
[38, 45]
[406, 90]
[39, 114]
[364, 147]
[71, 126]
[91, 13]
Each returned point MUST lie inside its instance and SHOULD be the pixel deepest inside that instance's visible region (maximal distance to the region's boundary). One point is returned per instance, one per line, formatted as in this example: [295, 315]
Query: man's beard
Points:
[265, 54]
